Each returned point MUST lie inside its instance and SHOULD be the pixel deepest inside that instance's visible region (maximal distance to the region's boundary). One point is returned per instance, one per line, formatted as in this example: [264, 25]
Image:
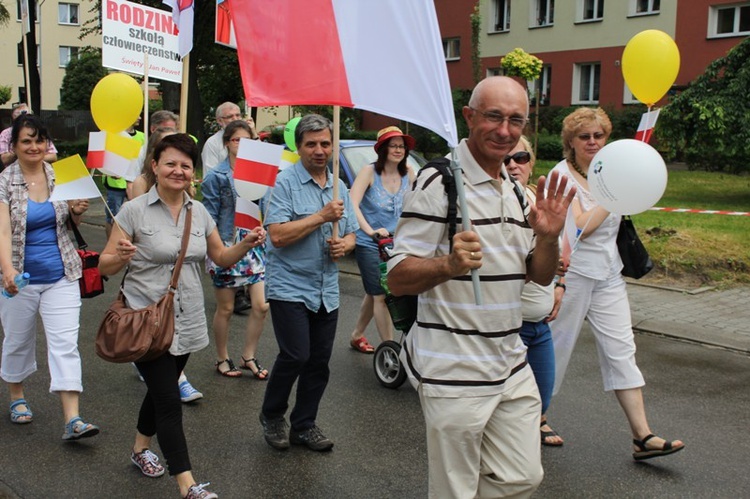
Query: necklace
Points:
[578, 169]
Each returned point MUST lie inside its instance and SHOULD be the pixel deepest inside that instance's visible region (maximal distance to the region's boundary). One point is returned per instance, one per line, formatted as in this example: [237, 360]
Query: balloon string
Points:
[580, 232]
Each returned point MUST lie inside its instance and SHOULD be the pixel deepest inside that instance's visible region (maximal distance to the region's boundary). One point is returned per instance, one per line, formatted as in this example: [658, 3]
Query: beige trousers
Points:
[485, 447]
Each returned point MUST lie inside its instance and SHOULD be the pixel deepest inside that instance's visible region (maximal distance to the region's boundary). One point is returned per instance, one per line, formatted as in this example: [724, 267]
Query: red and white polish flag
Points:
[646, 126]
[247, 214]
[384, 56]
[256, 168]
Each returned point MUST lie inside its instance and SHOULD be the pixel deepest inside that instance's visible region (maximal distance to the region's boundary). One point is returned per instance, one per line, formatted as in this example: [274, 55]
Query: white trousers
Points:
[485, 447]
[605, 305]
[59, 306]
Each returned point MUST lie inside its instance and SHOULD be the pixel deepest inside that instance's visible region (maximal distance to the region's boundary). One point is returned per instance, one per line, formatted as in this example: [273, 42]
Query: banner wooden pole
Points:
[184, 93]
[336, 122]
[145, 98]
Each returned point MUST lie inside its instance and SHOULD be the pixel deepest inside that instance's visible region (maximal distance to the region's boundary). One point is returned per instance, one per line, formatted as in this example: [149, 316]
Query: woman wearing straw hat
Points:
[377, 197]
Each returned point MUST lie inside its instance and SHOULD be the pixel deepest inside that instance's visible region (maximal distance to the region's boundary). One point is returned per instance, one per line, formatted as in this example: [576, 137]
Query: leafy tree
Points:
[5, 93]
[709, 122]
[81, 76]
[4, 14]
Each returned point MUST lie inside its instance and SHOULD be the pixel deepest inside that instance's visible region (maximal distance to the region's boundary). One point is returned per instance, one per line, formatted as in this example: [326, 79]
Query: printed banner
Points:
[131, 31]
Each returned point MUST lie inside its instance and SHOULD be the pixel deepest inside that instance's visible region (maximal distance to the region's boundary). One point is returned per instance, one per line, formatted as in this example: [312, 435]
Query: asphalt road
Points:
[694, 393]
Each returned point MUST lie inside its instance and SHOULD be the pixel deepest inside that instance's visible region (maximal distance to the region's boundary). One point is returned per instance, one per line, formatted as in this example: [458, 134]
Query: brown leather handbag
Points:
[128, 335]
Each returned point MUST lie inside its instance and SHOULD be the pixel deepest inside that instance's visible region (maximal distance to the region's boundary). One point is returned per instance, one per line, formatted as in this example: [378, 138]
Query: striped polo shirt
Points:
[457, 348]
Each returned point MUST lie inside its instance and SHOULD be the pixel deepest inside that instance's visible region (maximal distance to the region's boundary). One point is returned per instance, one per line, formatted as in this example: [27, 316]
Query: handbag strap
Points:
[183, 249]
[79, 238]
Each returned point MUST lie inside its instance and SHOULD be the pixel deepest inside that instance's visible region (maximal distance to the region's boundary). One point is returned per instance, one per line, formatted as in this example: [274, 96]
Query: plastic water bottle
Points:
[21, 281]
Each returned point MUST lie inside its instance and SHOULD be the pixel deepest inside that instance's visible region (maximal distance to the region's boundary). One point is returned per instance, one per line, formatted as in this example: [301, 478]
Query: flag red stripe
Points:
[644, 135]
[265, 52]
[257, 173]
[245, 221]
[95, 159]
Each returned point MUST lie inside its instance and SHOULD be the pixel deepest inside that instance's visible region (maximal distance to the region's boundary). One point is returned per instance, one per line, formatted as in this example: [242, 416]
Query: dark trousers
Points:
[161, 410]
[305, 342]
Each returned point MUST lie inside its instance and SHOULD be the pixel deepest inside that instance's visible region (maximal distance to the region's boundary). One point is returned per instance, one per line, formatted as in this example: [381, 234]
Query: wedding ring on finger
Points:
[471, 255]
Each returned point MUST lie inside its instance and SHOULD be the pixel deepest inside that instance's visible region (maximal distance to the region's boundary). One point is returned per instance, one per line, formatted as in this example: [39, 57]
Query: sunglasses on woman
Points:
[521, 158]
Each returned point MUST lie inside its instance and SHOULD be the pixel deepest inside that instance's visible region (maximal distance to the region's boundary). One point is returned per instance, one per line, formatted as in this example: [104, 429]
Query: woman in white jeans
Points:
[34, 239]
[596, 289]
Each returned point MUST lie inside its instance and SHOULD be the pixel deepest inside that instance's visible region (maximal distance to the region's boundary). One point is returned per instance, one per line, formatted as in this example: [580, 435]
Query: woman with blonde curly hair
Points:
[596, 289]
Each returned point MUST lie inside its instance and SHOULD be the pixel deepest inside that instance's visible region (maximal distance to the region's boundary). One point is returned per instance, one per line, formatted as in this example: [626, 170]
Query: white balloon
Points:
[627, 177]
[250, 190]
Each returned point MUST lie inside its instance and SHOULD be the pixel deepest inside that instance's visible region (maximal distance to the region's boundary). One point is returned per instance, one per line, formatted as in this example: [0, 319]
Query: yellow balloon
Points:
[116, 102]
[650, 64]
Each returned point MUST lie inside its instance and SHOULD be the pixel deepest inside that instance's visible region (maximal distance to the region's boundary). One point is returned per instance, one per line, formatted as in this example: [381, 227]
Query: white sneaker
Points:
[188, 393]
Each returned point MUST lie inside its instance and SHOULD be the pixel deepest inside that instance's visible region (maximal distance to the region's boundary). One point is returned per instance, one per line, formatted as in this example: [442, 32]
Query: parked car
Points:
[357, 153]
[267, 131]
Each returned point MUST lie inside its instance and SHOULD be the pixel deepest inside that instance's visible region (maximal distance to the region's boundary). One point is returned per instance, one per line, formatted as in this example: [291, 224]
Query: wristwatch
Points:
[560, 285]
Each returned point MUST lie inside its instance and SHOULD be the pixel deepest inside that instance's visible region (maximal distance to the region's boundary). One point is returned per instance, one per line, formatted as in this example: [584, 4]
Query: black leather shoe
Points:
[313, 438]
[241, 302]
[275, 431]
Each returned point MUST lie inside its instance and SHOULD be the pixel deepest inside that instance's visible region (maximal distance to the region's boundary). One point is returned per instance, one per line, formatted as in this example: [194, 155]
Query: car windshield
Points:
[359, 156]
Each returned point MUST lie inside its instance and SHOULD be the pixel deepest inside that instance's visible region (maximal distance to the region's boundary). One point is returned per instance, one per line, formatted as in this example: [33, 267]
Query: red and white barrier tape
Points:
[705, 212]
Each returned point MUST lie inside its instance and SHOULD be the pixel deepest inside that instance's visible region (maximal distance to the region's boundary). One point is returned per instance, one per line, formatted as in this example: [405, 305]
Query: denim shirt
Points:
[220, 198]
[304, 272]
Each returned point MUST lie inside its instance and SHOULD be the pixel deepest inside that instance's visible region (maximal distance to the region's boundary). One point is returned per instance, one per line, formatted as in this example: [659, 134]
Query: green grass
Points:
[714, 249]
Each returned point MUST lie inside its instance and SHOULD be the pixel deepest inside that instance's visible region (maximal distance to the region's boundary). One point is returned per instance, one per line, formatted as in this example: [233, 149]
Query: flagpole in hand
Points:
[336, 120]
[465, 219]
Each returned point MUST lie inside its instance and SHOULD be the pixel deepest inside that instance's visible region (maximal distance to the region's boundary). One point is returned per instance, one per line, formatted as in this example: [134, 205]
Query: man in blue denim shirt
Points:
[302, 284]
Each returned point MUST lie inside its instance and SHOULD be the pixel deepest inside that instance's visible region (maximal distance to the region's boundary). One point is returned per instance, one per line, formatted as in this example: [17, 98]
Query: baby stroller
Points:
[386, 362]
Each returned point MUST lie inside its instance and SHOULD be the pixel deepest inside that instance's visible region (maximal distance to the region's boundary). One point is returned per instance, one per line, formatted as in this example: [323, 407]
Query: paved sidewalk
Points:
[706, 316]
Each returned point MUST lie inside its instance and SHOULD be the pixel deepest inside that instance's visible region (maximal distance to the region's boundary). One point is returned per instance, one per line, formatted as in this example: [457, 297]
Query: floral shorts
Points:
[249, 270]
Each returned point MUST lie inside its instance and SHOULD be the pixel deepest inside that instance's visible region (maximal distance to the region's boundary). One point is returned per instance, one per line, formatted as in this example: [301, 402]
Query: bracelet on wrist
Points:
[560, 285]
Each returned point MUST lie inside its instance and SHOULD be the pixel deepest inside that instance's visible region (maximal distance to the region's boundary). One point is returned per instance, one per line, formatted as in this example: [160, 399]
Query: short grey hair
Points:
[223, 106]
[160, 117]
[311, 123]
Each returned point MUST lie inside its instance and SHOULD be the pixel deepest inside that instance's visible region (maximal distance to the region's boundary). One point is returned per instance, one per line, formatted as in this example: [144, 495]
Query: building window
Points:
[544, 13]
[545, 85]
[591, 10]
[628, 97]
[730, 21]
[644, 7]
[501, 15]
[20, 54]
[586, 83]
[67, 54]
[494, 72]
[452, 49]
[67, 13]
[18, 10]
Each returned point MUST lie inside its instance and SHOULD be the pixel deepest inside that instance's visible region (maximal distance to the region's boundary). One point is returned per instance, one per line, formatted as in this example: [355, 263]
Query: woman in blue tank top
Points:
[377, 196]
[34, 240]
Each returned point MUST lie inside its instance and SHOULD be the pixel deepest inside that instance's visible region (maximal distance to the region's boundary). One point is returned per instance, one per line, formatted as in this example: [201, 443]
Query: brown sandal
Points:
[261, 372]
[232, 372]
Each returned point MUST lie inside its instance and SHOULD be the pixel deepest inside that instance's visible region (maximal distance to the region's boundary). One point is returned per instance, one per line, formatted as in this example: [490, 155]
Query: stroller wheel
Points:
[388, 368]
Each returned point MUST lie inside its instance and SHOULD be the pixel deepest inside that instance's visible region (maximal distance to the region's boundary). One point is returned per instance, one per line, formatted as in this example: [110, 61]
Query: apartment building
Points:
[58, 28]
[581, 41]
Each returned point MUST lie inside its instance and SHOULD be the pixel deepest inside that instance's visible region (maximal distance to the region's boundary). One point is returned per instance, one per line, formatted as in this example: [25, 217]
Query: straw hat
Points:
[393, 131]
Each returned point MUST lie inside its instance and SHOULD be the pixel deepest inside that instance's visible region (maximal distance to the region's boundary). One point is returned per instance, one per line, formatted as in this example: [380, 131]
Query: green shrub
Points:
[71, 148]
[549, 147]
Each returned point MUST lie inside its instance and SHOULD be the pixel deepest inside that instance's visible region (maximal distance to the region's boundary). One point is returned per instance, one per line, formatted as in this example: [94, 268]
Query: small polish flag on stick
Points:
[113, 154]
[646, 127]
[247, 214]
[256, 168]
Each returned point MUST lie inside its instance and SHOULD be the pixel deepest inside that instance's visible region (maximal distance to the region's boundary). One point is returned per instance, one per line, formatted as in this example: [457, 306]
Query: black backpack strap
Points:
[443, 166]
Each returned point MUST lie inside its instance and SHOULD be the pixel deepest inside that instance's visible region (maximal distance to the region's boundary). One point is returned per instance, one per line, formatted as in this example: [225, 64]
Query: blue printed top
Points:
[381, 208]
